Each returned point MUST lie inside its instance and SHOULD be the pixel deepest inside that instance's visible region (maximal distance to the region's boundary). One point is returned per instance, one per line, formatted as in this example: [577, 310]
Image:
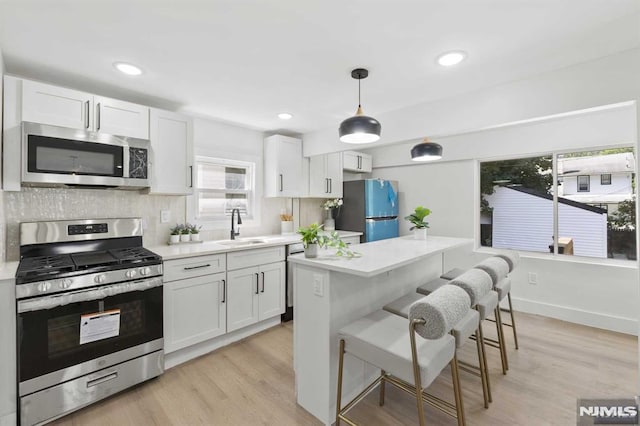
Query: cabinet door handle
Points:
[224, 291]
[191, 176]
[326, 185]
[257, 283]
[188, 268]
[330, 185]
[86, 114]
[262, 291]
[359, 162]
[98, 117]
[281, 184]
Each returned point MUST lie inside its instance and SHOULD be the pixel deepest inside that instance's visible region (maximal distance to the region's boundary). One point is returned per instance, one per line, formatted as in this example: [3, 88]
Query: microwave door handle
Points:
[125, 160]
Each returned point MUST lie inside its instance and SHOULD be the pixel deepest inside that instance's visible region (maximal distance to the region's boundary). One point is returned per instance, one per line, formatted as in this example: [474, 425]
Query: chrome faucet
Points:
[234, 234]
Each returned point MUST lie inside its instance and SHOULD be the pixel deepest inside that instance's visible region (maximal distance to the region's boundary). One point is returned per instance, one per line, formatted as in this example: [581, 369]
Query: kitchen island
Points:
[332, 291]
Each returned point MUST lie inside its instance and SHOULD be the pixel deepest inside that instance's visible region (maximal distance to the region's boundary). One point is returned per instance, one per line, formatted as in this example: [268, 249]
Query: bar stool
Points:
[408, 361]
[476, 283]
[512, 258]
[497, 268]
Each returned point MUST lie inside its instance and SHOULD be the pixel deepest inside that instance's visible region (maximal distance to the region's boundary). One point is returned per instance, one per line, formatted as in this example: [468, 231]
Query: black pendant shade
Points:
[360, 128]
[426, 151]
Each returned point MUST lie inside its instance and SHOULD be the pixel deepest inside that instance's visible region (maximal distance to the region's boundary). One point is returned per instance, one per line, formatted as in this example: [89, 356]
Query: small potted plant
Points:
[419, 227]
[175, 233]
[311, 239]
[185, 234]
[194, 231]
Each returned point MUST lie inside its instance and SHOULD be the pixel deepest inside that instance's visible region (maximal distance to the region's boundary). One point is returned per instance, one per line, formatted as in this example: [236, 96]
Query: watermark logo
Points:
[607, 412]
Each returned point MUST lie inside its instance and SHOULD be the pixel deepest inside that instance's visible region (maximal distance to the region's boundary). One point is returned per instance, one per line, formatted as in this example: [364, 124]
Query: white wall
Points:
[221, 140]
[601, 295]
[604, 81]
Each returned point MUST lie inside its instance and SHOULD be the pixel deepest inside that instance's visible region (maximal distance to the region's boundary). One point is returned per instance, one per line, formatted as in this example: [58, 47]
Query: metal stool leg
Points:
[484, 360]
[483, 371]
[382, 382]
[513, 321]
[457, 391]
[501, 342]
[340, 367]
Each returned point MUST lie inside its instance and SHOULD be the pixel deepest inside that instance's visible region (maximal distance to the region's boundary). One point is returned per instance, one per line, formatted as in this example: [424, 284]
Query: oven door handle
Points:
[55, 300]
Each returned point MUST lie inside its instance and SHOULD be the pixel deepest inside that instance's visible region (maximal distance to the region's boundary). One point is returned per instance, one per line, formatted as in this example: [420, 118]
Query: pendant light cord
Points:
[359, 103]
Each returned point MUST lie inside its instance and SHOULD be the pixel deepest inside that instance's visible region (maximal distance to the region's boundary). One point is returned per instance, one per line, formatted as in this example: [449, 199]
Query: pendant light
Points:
[360, 128]
[426, 151]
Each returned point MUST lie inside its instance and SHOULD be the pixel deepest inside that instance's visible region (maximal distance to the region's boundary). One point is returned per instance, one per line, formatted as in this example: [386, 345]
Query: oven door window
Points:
[50, 340]
[64, 156]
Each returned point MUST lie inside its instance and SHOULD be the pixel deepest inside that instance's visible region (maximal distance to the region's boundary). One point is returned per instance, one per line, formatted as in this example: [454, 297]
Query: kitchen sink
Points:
[241, 242]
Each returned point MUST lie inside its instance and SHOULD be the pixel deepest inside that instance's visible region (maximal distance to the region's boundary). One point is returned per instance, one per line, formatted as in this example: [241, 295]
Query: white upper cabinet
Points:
[58, 106]
[171, 138]
[121, 118]
[356, 162]
[325, 175]
[283, 171]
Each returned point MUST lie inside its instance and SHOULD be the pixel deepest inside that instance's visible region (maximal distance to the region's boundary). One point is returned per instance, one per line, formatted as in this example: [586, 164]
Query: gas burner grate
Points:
[133, 255]
[45, 266]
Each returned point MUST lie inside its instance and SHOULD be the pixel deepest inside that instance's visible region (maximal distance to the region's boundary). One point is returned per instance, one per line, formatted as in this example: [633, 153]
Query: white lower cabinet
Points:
[195, 306]
[195, 310]
[255, 294]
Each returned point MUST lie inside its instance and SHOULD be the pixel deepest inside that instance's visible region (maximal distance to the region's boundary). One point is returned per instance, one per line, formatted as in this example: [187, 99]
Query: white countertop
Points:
[381, 256]
[179, 251]
[8, 270]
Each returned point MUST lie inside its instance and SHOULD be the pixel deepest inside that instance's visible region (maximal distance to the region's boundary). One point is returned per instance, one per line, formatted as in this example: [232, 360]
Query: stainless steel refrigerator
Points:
[370, 206]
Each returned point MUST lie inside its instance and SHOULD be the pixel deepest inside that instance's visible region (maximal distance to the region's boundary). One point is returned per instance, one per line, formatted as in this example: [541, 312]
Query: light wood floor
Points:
[252, 383]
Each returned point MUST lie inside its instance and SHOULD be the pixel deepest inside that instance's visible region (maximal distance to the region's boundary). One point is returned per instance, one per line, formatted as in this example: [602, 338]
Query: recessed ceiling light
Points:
[451, 58]
[127, 69]
[285, 116]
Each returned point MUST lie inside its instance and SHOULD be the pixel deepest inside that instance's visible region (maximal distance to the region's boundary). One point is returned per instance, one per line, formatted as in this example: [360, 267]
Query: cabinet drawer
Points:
[351, 240]
[247, 258]
[193, 267]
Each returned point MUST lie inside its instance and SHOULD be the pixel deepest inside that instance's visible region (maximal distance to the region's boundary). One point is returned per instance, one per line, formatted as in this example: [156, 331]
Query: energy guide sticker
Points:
[98, 326]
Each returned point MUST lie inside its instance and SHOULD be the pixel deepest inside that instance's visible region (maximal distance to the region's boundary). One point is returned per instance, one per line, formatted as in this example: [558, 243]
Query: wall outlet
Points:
[318, 285]
[533, 278]
[165, 216]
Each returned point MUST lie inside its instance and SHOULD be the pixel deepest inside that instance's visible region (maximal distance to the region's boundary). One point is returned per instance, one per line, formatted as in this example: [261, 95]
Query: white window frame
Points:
[603, 181]
[588, 183]
[223, 222]
[479, 248]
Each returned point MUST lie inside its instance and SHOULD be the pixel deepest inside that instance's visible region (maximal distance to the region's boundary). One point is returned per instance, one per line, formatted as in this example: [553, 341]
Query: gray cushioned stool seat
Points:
[503, 287]
[461, 331]
[382, 339]
[453, 273]
[431, 286]
[488, 304]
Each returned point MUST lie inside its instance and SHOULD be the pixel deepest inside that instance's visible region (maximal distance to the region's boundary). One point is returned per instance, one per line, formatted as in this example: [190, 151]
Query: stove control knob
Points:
[65, 283]
[44, 286]
[100, 278]
[145, 271]
[130, 273]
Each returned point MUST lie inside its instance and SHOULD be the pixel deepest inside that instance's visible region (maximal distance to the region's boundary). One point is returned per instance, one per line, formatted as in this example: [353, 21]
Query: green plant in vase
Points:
[417, 219]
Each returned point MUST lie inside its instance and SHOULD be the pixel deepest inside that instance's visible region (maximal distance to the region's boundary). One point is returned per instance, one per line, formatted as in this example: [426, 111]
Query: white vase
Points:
[195, 237]
[174, 238]
[185, 238]
[311, 251]
[286, 227]
[329, 225]
[420, 234]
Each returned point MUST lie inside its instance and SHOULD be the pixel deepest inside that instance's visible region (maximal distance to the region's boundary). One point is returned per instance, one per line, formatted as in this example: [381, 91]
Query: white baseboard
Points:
[578, 316]
[183, 355]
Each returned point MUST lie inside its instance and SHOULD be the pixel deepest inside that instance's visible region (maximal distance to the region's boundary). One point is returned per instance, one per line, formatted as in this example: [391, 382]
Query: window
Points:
[221, 186]
[527, 205]
[583, 183]
[605, 179]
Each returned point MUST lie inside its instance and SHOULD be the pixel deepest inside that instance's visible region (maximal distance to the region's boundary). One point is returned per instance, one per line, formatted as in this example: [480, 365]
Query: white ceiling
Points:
[243, 61]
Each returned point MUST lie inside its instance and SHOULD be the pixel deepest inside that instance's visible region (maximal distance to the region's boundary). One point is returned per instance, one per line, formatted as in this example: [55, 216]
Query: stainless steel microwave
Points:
[59, 156]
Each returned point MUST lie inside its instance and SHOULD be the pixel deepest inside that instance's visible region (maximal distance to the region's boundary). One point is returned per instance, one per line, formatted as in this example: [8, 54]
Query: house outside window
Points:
[583, 183]
[523, 206]
[605, 179]
[221, 186]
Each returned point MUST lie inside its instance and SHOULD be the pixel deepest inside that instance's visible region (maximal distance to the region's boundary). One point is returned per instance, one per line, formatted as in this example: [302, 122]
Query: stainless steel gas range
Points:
[89, 307]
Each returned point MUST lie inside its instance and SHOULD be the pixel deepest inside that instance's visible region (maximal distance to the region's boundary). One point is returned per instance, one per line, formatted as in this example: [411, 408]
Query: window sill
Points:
[618, 263]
